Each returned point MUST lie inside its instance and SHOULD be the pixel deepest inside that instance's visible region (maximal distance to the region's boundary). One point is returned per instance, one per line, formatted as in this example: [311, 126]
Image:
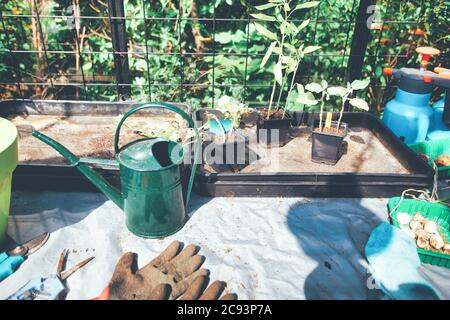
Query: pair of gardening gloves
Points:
[174, 274]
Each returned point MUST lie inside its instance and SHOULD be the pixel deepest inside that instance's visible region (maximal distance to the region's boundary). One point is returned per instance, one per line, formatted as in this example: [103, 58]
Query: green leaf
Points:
[314, 87]
[290, 47]
[263, 31]
[278, 73]
[283, 27]
[307, 98]
[223, 37]
[378, 71]
[359, 103]
[303, 25]
[310, 49]
[324, 84]
[266, 6]
[360, 84]
[291, 101]
[268, 53]
[337, 91]
[277, 50]
[292, 28]
[140, 65]
[300, 51]
[290, 63]
[262, 16]
[87, 66]
[306, 5]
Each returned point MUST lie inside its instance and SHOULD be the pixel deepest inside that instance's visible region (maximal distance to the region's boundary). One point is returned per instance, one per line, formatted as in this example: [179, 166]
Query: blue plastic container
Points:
[216, 128]
[409, 116]
[438, 129]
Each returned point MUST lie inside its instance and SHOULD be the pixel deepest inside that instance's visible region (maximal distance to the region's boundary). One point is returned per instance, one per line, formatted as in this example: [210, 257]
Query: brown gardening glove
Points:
[167, 276]
[199, 290]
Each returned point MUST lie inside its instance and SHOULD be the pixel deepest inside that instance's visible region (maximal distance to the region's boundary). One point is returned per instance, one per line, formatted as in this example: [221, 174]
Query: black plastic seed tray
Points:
[48, 174]
[419, 174]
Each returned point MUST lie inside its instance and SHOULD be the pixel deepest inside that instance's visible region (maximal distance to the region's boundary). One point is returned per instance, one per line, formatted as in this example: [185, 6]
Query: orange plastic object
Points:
[418, 32]
[385, 40]
[380, 27]
[427, 52]
[388, 71]
[104, 295]
[427, 79]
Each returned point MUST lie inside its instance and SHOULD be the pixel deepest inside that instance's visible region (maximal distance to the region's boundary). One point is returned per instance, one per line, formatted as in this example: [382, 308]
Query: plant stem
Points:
[279, 95]
[271, 98]
[322, 103]
[291, 86]
[344, 98]
[275, 81]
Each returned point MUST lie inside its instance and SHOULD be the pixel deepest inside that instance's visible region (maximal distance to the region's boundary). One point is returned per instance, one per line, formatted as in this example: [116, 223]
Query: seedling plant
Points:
[344, 93]
[285, 43]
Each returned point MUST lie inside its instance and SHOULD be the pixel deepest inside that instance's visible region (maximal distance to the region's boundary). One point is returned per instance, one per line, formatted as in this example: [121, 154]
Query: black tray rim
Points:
[423, 166]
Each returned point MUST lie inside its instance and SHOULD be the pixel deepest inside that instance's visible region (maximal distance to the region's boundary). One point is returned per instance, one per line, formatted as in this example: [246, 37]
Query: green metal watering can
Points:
[151, 178]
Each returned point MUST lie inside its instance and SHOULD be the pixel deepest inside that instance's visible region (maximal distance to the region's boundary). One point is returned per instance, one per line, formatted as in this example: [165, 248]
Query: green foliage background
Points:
[167, 65]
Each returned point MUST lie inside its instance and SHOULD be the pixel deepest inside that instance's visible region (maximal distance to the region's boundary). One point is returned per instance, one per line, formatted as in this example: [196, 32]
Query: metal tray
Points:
[419, 174]
[57, 175]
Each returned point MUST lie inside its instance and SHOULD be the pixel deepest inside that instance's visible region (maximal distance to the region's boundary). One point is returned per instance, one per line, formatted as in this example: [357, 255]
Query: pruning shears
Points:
[12, 259]
[51, 287]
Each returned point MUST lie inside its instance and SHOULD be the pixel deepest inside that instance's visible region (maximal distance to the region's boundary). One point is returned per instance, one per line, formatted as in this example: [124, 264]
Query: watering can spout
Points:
[111, 192]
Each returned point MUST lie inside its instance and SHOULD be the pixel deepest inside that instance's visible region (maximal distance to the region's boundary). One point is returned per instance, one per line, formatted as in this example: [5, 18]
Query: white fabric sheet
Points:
[264, 248]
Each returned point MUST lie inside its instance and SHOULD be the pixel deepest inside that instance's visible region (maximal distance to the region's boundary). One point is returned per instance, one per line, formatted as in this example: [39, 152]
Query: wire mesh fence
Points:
[194, 51]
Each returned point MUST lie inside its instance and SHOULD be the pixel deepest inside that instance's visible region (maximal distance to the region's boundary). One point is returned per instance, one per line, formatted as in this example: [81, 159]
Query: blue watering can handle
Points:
[171, 107]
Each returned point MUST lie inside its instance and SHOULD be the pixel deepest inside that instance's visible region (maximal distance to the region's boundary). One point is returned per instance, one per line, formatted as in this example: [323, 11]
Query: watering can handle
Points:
[171, 107]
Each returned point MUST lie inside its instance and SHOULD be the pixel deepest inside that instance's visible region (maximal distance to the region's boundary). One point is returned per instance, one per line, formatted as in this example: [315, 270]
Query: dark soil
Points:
[85, 136]
[332, 131]
[274, 114]
[249, 117]
[357, 139]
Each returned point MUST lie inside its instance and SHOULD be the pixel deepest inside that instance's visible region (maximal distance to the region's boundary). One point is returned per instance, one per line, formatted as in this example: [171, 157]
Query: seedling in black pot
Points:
[287, 45]
[328, 137]
[224, 144]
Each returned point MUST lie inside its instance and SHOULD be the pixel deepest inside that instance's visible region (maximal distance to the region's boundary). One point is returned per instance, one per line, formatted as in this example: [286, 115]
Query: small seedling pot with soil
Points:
[223, 145]
[233, 152]
[273, 132]
[327, 146]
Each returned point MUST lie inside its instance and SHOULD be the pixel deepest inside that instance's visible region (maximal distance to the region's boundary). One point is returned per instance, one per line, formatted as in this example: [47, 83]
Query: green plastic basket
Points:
[436, 212]
[434, 149]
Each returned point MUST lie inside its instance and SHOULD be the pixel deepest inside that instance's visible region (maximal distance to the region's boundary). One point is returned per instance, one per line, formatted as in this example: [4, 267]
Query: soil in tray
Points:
[364, 153]
[331, 131]
[229, 138]
[85, 136]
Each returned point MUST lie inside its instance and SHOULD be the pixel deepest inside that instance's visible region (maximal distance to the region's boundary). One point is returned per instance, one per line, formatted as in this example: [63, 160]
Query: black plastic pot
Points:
[201, 114]
[327, 147]
[273, 132]
[299, 117]
[235, 153]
